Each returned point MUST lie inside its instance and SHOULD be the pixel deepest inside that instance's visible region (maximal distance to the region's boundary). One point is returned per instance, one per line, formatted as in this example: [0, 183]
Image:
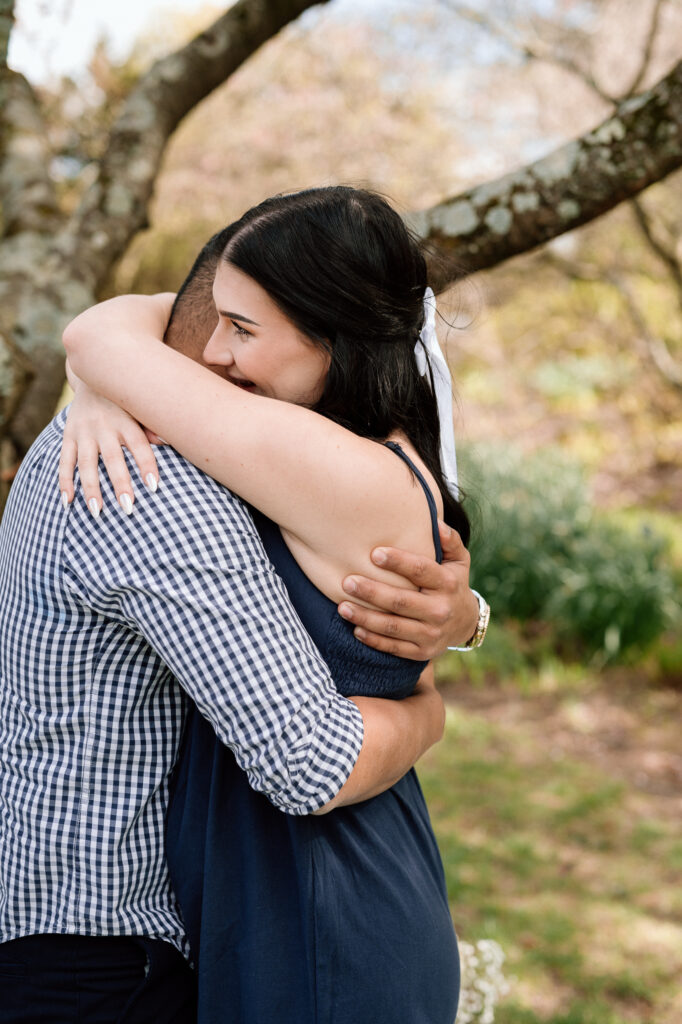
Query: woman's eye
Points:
[241, 331]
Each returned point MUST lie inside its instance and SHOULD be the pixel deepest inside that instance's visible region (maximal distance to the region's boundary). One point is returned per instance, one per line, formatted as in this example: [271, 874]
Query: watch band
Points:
[481, 626]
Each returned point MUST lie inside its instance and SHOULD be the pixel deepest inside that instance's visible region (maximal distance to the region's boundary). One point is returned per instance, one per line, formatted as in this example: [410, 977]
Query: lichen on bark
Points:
[634, 147]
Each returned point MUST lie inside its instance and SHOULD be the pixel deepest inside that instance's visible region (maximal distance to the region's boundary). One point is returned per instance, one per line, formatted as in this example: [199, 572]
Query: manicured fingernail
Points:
[379, 557]
[94, 507]
[65, 500]
[126, 503]
[350, 585]
[444, 528]
[359, 634]
[346, 610]
[151, 482]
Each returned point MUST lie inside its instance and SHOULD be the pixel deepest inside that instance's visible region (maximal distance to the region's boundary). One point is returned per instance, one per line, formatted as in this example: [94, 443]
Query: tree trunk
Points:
[639, 144]
[51, 266]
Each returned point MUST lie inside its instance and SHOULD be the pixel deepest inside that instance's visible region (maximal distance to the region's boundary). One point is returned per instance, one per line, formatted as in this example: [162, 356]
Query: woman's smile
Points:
[246, 385]
[258, 348]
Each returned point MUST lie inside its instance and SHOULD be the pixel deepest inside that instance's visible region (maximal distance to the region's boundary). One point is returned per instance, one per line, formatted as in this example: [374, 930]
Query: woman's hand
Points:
[417, 624]
[95, 427]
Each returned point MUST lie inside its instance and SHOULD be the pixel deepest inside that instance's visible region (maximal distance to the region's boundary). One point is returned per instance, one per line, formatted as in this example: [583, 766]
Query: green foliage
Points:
[542, 553]
[575, 377]
[503, 653]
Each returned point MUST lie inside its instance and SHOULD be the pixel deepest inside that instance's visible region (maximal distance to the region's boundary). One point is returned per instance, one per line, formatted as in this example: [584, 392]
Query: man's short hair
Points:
[193, 317]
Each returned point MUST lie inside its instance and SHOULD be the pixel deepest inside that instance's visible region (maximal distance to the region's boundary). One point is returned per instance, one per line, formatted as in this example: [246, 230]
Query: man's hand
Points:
[417, 624]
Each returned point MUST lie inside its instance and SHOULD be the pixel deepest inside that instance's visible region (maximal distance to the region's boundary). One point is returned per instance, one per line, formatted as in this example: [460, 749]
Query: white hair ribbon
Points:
[429, 355]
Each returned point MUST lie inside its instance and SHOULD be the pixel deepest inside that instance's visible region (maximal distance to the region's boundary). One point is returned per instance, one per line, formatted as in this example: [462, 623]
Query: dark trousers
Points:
[78, 979]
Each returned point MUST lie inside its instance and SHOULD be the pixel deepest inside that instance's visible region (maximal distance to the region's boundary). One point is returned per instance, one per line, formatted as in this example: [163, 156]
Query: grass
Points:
[552, 848]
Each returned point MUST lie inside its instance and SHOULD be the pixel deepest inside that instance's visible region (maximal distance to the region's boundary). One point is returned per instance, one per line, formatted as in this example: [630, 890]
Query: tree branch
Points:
[541, 51]
[638, 145]
[666, 255]
[115, 208]
[652, 346]
[6, 23]
[531, 50]
[574, 269]
[655, 345]
[647, 52]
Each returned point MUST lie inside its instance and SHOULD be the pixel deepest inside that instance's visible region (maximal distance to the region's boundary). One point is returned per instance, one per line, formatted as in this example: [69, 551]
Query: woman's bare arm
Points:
[338, 494]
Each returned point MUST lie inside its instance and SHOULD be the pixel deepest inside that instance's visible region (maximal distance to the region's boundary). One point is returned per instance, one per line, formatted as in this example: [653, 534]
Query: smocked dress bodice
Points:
[357, 670]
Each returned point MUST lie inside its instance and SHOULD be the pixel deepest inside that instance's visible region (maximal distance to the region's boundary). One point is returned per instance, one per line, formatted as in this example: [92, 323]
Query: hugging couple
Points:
[212, 698]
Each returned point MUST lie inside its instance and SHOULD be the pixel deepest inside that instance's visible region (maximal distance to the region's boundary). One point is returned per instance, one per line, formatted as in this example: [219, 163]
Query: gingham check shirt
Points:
[103, 625]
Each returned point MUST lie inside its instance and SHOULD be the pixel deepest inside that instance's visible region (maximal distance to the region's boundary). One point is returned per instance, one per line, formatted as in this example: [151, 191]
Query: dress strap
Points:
[427, 491]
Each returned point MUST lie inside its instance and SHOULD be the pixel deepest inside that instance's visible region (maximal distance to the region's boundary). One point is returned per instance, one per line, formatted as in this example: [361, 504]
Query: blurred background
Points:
[557, 793]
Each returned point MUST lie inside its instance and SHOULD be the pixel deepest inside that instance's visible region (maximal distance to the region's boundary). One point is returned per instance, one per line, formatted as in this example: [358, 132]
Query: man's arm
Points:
[397, 733]
[417, 624]
[188, 572]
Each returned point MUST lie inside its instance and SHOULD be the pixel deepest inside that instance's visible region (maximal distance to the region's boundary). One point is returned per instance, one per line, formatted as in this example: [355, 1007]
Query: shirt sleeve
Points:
[189, 572]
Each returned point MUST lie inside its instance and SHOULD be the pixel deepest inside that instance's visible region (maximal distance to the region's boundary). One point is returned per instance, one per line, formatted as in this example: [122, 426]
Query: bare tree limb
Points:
[652, 346]
[6, 23]
[115, 208]
[574, 269]
[655, 345]
[540, 50]
[638, 145]
[666, 255]
[530, 49]
[647, 52]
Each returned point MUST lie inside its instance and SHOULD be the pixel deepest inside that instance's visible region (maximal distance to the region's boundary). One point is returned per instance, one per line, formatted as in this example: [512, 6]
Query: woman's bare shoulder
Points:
[388, 507]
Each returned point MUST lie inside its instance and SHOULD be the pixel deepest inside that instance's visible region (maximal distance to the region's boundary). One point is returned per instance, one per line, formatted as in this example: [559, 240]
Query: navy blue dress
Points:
[336, 919]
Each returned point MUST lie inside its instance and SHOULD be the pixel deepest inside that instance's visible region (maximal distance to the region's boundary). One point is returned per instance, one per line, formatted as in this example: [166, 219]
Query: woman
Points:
[340, 918]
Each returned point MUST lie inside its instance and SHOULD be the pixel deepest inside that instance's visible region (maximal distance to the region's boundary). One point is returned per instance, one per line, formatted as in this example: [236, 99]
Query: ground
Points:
[558, 815]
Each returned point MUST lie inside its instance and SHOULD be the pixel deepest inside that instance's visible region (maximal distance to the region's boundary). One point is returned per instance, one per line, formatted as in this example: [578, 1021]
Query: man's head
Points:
[193, 317]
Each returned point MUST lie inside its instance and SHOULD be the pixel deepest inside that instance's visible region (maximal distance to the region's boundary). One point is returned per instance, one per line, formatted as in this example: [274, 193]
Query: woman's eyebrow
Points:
[237, 316]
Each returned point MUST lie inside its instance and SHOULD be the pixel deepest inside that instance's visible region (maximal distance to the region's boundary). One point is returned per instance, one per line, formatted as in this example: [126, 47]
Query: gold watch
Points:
[481, 626]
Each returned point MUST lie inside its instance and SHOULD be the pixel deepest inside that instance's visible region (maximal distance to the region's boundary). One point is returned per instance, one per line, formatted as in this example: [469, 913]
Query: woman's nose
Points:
[218, 351]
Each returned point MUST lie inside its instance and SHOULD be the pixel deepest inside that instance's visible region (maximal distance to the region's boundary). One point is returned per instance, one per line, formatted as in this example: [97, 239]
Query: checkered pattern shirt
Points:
[104, 626]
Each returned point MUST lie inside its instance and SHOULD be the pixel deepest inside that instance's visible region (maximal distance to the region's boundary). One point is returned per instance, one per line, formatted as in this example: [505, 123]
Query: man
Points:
[105, 624]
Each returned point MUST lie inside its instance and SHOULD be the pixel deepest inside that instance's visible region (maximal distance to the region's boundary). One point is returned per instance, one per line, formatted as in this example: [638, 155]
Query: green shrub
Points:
[540, 551]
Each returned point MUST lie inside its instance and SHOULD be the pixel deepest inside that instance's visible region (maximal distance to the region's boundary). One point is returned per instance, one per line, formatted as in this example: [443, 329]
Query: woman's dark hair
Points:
[341, 265]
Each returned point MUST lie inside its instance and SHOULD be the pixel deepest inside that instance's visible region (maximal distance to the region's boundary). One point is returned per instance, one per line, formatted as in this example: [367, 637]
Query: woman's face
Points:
[258, 347]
